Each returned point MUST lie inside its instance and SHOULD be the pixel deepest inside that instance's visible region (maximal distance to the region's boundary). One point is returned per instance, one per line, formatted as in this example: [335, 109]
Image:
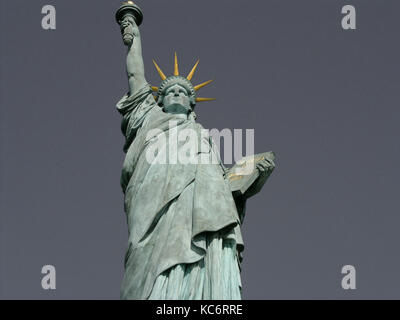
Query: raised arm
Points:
[134, 58]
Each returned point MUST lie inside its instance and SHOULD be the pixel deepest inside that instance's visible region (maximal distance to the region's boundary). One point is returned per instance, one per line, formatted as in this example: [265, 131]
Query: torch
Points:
[132, 9]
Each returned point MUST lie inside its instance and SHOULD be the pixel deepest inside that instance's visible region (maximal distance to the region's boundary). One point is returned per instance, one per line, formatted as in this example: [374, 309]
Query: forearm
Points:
[135, 66]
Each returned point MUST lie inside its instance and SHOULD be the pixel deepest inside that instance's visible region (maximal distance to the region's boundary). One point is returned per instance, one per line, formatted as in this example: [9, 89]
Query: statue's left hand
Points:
[265, 166]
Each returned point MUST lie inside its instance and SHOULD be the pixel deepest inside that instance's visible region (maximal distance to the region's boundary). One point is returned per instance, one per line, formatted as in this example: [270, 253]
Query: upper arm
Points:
[136, 82]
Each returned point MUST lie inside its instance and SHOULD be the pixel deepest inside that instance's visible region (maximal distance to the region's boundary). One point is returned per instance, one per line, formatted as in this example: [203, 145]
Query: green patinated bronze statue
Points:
[183, 219]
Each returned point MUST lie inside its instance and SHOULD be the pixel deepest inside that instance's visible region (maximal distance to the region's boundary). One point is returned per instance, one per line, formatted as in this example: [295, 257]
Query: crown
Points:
[178, 79]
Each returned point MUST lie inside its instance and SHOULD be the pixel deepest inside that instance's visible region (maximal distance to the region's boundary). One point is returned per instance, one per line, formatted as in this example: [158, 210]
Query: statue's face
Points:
[176, 100]
[127, 25]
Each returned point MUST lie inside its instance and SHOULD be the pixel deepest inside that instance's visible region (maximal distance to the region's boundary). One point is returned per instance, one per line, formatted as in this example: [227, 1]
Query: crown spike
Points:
[162, 75]
[201, 85]
[204, 99]
[190, 75]
[176, 68]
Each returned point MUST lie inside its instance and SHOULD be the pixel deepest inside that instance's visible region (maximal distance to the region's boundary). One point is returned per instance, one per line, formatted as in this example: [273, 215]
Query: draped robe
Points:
[184, 228]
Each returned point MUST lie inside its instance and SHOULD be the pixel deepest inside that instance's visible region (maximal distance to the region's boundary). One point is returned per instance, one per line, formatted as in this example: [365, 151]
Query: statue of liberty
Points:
[183, 219]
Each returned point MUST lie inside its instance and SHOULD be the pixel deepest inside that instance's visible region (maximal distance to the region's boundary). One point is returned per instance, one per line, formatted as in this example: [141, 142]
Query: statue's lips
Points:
[177, 100]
